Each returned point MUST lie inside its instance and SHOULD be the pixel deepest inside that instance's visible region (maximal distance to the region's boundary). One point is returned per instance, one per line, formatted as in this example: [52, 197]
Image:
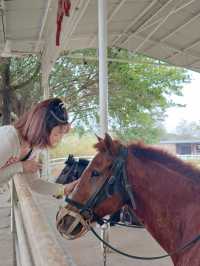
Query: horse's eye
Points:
[95, 173]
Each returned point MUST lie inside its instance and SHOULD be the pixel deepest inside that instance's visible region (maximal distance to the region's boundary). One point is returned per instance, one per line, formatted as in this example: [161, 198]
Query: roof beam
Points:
[116, 60]
[180, 27]
[77, 19]
[154, 30]
[126, 33]
[184, 50]
[51, 52]
[149, 25]
[165, 45]
[141, 29]
[113, 13]
[193, 63]
[178, 50]
[70, 25]
[158, 21]
[47, 10]
[116, 9]
[177, 29]
[168, 46]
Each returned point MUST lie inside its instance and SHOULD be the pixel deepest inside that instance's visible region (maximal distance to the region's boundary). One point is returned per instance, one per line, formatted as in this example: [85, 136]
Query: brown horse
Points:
[163, 190]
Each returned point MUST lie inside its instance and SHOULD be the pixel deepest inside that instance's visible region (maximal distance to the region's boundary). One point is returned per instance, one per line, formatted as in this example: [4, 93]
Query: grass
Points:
[76, 145]
[82, 146]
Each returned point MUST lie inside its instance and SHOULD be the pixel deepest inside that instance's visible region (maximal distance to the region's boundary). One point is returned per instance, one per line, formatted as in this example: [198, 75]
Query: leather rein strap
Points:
[178, 250]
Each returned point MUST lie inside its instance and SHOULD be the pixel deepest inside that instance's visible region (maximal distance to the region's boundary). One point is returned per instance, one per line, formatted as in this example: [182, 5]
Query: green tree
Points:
[20, 85]
[5, 91]
[139, 91]
[185, 130]
[188, 130]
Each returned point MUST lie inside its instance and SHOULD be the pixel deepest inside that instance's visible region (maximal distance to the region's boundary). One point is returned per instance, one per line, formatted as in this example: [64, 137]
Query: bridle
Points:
[116, 183]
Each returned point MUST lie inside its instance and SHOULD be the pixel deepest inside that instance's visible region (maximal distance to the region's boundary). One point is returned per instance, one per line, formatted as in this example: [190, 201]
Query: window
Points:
[184, 148]
[198, 148]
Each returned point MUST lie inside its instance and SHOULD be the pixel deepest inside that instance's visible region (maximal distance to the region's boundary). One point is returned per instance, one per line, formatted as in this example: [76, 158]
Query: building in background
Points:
[181, 147]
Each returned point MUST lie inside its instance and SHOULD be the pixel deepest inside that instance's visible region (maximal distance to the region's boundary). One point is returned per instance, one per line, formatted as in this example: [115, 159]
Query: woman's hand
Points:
[30, 166]
[70, 187]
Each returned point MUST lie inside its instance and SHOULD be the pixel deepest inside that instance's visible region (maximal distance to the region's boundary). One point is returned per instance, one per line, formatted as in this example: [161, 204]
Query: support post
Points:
[103, 90]
[45, 154]
[103, 67]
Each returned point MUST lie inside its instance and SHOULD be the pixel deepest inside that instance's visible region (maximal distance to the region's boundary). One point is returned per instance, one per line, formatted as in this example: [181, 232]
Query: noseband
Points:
[117, 183]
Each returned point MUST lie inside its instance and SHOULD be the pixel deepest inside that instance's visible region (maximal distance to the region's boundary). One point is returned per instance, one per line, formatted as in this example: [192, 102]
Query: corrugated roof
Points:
[164, 29]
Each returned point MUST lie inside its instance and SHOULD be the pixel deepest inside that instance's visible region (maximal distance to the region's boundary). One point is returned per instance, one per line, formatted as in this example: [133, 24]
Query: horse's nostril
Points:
[67, 221]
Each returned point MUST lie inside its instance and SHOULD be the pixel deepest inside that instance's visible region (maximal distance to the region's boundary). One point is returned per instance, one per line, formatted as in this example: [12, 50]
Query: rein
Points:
[178, 250]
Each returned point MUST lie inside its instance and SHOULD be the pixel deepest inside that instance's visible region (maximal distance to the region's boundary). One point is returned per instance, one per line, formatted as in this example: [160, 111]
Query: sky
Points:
[191, 98]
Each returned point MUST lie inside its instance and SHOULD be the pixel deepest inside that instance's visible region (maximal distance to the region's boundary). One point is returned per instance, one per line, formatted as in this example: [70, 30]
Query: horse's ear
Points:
[109, 143]
[99, 138]
[70, 159]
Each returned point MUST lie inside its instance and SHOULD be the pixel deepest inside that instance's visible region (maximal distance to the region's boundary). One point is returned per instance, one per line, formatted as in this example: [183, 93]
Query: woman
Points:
[40, 128]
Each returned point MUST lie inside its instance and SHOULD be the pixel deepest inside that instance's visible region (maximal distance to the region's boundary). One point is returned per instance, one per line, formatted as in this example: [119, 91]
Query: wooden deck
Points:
[6, 243]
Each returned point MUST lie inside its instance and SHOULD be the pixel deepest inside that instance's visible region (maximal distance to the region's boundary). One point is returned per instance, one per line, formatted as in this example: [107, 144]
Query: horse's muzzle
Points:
[71, 224]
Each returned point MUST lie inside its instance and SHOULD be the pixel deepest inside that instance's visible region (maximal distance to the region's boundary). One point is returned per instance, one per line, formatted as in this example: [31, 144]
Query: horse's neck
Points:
[161, 196]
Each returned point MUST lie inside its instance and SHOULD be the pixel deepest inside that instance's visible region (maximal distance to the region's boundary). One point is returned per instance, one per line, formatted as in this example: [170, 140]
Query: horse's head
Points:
[65, 176]
[101, 190]
[72, 170]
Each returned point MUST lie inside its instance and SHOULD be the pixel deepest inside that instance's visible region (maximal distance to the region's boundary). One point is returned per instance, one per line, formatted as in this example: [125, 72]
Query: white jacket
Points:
[9, 147]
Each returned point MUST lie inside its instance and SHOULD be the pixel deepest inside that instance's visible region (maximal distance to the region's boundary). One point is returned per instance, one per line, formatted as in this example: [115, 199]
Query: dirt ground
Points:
[86, 251]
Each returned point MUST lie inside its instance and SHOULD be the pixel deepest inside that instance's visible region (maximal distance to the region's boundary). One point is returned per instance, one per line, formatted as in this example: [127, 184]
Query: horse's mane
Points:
[142, 151]
[170, 161]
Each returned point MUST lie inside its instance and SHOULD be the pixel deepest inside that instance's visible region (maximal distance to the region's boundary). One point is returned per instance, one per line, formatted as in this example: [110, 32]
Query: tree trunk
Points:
[6, 92]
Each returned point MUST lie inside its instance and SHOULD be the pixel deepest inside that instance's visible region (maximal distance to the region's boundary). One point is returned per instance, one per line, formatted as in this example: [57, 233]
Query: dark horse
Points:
[163, 190]
[72, 170]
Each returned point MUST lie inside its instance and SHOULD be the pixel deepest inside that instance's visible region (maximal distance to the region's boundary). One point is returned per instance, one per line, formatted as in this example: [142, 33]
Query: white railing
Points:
[189, 157]
[58, 161]
[33, 241]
